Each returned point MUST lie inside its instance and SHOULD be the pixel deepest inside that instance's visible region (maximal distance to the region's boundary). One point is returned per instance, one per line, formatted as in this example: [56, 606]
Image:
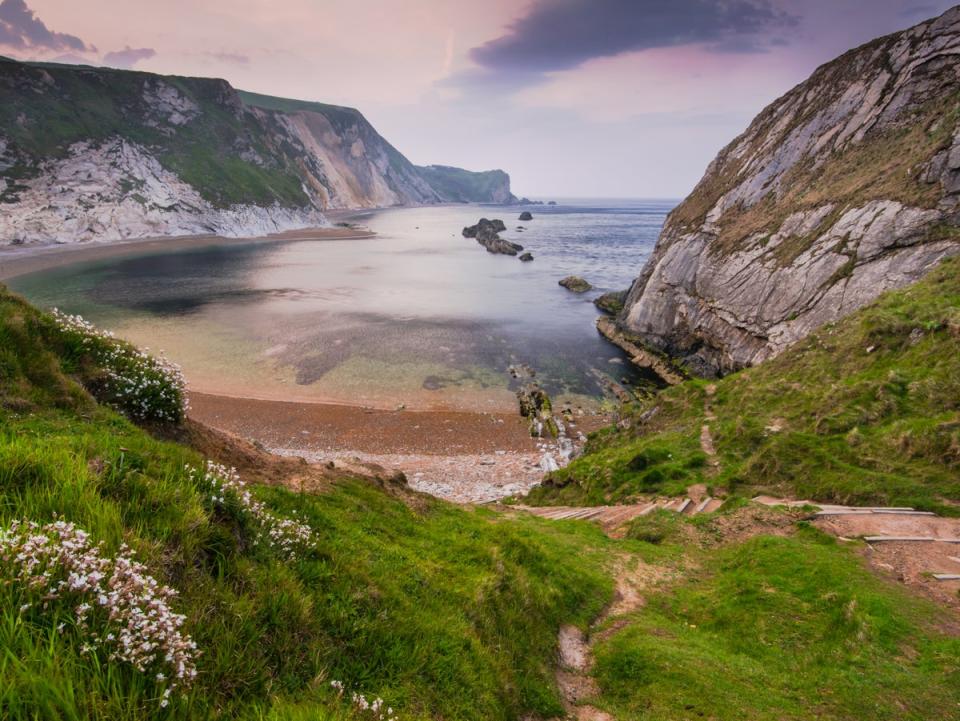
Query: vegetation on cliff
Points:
[865, 410]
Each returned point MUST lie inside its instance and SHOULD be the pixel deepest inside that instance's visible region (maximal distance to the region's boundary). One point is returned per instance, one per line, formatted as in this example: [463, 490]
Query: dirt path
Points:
[574, 679]
[706, 437]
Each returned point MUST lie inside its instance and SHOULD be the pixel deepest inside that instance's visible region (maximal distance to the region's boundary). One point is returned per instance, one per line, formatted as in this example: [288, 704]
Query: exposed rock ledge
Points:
[639, 356]
[135, 197]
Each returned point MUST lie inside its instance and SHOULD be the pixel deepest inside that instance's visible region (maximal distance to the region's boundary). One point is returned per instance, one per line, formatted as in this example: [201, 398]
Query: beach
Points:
[461, 456]
[393, 352]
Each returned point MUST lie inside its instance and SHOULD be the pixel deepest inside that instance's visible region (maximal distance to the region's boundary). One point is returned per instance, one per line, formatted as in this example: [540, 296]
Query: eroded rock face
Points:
[847, 186]
[117, 190]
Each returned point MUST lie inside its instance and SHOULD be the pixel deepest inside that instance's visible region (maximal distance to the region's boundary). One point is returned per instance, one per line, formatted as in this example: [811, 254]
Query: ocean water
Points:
[418, 315]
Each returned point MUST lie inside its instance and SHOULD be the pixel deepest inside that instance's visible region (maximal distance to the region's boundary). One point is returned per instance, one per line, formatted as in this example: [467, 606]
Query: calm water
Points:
[418, 315]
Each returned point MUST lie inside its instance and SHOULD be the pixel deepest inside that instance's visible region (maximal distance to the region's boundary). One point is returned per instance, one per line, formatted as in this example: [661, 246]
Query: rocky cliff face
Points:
[845, 187]
[101, 154]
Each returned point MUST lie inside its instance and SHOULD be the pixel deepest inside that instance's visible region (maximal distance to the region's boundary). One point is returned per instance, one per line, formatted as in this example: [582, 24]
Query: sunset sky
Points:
[615, 98]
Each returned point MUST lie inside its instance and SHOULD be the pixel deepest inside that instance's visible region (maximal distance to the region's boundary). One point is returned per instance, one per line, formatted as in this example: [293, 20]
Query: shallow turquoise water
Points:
[417, 313]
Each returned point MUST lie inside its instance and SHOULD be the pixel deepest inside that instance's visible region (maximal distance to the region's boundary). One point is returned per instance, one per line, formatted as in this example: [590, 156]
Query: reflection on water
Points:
[418, 314]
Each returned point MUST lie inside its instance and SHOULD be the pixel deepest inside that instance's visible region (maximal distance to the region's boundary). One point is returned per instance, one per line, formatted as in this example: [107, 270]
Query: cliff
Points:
[101, 154]
[845, 187]
[462, 186]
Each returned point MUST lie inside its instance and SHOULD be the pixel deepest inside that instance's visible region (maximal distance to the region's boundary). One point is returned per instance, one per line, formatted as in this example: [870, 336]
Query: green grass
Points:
[780, 628]
[444, 612]
[866, 410]
[41, 120]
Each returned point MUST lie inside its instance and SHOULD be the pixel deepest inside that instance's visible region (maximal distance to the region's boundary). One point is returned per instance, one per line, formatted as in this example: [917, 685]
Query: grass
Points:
[866, 410]
[443, 612]
[94, 104]
[780, 628]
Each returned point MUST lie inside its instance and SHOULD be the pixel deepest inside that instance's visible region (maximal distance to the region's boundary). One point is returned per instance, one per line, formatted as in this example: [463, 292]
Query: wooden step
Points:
[873, 512]
[878, 539]
[702, 505]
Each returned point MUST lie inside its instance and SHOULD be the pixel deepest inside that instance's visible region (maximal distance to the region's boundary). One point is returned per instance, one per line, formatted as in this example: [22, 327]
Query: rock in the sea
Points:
[526, 215]
[845, 187]
[484, 229]
[487, 232]
[526, 257]
[612, 302]
[576, 284]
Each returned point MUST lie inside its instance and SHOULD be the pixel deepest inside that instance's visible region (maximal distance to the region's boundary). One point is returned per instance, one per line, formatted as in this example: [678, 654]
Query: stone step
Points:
[947, 576]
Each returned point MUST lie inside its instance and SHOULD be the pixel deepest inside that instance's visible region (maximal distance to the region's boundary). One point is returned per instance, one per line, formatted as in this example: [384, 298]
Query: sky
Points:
[574, 98]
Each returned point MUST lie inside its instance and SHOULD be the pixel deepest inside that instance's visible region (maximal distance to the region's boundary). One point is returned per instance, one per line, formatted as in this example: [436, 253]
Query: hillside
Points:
[95, 153]
[312, 593]
[845, 187]
[864, 410]
[458, 185]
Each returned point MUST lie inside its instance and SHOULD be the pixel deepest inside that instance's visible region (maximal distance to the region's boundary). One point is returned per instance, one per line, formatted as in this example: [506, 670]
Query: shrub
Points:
[143, 387]
[118, 608]
[289, 537]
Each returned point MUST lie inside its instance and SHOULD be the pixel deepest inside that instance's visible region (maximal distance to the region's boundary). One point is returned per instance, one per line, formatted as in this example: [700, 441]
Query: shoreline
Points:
[25, 259]
[462, 456]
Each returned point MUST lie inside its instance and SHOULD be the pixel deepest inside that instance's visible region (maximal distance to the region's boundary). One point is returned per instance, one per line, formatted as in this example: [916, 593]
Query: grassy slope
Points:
[444, 612]
[776, 628]
[43, 120]
[865, 410]
[441, 611]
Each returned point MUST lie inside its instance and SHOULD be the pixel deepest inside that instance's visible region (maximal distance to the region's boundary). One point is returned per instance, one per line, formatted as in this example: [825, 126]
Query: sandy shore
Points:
[460, 456]
[20, 260]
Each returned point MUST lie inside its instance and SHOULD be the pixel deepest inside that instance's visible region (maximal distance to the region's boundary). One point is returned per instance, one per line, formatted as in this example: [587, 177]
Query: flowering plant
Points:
[144, 387]
[373, 709]
[118, 608]
[288, 537]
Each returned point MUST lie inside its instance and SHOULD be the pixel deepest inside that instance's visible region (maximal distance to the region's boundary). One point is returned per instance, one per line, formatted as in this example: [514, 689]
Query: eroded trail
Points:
[575, 663]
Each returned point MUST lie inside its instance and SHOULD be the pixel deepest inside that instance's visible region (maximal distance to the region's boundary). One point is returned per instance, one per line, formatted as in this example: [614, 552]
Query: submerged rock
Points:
[526, 257]
[576, 284]
[526, 215]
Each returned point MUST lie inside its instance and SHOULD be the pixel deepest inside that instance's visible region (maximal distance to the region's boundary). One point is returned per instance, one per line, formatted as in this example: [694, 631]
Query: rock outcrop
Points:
[612, 302]
[575, 284]
[487, 233]
[102, 154]
[526, 215]
[847, 186]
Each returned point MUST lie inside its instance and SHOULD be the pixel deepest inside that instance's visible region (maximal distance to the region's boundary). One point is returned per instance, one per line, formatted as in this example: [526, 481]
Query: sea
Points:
[417, 316]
